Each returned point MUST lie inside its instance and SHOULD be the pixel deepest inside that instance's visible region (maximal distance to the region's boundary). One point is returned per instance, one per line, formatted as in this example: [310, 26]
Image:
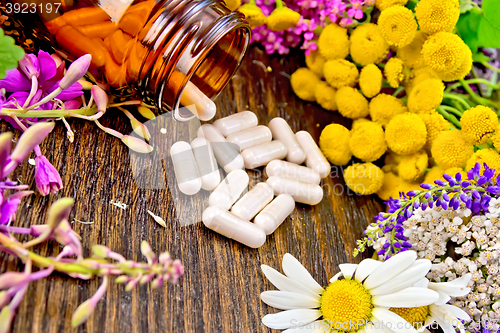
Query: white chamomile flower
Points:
[357, 299]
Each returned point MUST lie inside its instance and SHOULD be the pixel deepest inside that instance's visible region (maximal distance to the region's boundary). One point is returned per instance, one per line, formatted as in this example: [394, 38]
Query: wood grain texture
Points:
[222, 283]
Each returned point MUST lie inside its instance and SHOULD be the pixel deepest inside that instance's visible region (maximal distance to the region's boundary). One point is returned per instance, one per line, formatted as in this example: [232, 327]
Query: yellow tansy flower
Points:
[395, 72]
[437, 15]
[325, 96]
[435, 124]
[433, 174]
[304, 82]
[253, 14]
[389, 187]
[496, 139]
[368, 46]
[411, 54]
[357, 122]
[391, 162]
[384, 4]
[383, 107]
[398, 25]
[368, 141]
[334, 143]
[351, 103]
[405, 134]
[232, 4]
[426, 96]
[315, 62]
[418, 75]
[370, 80]
[450, 149]
[333, 42]
[340, 73]
[488, 156]
[282, 18]
[413, 166]
[462, 70]
[479, 124]
[364, 178]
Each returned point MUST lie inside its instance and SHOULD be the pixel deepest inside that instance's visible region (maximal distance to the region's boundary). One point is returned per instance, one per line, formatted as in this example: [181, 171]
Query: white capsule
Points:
[282, 131]
[271, 217]
[301, 192]
[204, 107]
[185, 168]
[207, 165]
[251, 137]
[314, 157]
[262, 154]
[292, 171]
[253, 201]
[229, 190]
[236, 122]
[233, 227]
[226, 153]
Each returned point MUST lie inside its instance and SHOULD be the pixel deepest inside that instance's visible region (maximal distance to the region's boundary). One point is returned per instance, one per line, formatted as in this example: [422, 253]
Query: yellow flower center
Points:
[415, 316]
[346, 305]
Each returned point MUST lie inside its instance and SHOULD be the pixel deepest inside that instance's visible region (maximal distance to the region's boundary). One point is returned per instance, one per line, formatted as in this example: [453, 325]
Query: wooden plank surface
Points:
[222, 283]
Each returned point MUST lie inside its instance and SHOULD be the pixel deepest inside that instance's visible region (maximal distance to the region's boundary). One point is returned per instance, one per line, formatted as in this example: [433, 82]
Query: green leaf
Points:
[467, 27]
[487, 34]
[480, 57]
[491, 10]
[465, 5]
[10, 54]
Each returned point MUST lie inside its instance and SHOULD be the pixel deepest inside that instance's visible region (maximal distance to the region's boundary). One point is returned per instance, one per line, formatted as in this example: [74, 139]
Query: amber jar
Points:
[166, 52]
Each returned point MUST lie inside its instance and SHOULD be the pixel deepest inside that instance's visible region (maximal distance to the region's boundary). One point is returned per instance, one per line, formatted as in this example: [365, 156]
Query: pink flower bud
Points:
[146, 249]
[100, 98]
[47, 178]
[31, 138]
[12, 279]
[101, 251]
[59, 211]
[5, 146]
[6, 316]
[136, 144]
[29, 66]
[122, 279]
[85, 309]
[75, 71]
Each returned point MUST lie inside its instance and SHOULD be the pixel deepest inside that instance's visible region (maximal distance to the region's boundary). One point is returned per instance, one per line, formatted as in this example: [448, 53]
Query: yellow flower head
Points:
[357, 122]
[389, 186]
[325, 96]
[445, 53]
[253, 14]
[433, 174]
[304, 82]
[450, 149]
[391, 162]
[413, 166]
[351, 103]
[370, 80]
[368, 141]
[340, 73]
[395, 72]
[383, 107]
[315, 62]
[232, 4]
[418, 75]
[462, 70]
[435, 124]
[496, 139]
[384, 4]
[411, 54]
[488, 156]
[282, 18]
[334, 143]
[437, 15]
[333, 42]
[405, 134]
[368, 46]
[479, 124]
[398, 25]
[426, 96]
[364, 178]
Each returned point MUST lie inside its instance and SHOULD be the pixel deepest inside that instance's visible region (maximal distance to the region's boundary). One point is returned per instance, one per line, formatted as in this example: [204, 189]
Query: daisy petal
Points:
[295, 271]
[443, 298]
[455, 288]
[290, 318]
[365, 268]
[285, 284]
[335, 277]
[390, 268]
[391, 321]
[315, 327]
[422, 283]
[286, 300]
[348, 270]
[445, 318]
[457, 312]
[413, 274]
[407, 298]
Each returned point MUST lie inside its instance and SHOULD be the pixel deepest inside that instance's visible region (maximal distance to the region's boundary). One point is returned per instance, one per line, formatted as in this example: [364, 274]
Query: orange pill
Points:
[148, 26]
[142, 8]
[78, 44]
[54, 25]
[132, 23]
[118, 42]
[99, 30]
[85, 16]
[135, 60]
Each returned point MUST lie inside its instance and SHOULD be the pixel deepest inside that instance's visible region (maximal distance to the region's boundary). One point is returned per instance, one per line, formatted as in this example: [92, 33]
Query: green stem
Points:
[457, 98]
[46, 114]
[400, 89]
[279, 3]
[448, 116]
[472, 81]
[475, 97]
[493, 68]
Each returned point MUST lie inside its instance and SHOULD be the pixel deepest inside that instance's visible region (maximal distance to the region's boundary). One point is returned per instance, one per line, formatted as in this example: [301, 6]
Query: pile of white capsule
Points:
[195, 167]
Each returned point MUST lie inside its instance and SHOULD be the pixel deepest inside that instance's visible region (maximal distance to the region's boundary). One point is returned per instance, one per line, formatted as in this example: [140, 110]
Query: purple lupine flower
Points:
[47, 178]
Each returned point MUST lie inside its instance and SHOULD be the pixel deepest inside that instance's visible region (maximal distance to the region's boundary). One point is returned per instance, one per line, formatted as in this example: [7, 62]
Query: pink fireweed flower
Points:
[356, 10]
[47, 178]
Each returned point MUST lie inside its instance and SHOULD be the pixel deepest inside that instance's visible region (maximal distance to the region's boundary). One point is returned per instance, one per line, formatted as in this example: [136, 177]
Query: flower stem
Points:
[457, 98]
[442, 110]
[475, 97]
[47, 114]
[472, 81]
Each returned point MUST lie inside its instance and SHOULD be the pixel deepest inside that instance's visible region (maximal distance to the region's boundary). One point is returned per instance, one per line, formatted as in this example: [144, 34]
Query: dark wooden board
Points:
[222, 283]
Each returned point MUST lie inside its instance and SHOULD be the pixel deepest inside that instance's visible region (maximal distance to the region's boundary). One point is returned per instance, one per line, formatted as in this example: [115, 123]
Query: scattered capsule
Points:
[185, 168]
[236, 122]
[271, 217]
[233, 227]
[262, 154]
[292, 171]
[301, 192]
[226, 153]
[314, 157]
[229, 190]
[207, 165]
[253, 201]
[251, 137]
[282, 131]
